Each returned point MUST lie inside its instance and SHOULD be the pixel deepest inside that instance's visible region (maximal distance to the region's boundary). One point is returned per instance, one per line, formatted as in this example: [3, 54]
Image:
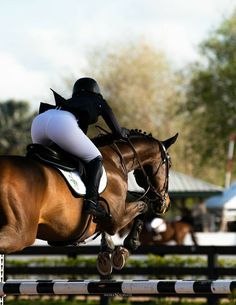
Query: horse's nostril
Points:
[160, 208]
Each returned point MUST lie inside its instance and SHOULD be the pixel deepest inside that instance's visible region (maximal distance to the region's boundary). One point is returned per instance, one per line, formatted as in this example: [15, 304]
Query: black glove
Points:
[125, 133]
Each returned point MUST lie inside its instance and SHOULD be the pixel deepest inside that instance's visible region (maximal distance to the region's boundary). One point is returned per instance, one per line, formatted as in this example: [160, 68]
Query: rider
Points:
[66, 124]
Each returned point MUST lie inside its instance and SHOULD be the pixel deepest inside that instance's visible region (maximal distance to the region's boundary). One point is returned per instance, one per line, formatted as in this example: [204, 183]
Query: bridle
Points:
[160, 195]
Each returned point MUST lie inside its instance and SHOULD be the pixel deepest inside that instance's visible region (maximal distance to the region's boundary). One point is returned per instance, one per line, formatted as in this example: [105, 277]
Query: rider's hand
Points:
[125, 133]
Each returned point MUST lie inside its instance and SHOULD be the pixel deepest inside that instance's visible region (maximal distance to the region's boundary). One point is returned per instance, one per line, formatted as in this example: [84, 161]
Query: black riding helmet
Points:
[86, 84]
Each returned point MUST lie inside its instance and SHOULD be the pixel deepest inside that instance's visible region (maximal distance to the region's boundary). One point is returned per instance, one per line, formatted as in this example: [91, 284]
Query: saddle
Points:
[69, 166]
[55, 156]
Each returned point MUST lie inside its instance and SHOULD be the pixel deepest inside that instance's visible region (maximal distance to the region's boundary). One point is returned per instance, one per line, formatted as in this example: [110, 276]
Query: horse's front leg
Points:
[104, 263]
[136, 212]
[133, 210]
[132, 242]
[122, 215]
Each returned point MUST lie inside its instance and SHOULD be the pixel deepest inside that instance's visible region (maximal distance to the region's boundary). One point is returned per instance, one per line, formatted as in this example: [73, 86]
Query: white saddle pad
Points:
[74, 180]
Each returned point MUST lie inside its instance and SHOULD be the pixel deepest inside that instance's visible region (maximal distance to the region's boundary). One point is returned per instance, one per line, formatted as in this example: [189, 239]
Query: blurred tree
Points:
[142, 88]
[15, 121]
[210, 111]
[140, 85]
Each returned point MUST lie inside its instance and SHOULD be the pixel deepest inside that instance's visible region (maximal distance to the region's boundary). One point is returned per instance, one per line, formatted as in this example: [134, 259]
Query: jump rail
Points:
[116, 287]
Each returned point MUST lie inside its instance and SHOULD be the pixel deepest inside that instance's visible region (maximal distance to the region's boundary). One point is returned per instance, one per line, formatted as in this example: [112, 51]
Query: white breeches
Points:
[61, 127]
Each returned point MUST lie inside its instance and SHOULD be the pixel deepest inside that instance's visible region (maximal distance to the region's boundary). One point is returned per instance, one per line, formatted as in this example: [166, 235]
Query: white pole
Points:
[229, 160]
[1, 275]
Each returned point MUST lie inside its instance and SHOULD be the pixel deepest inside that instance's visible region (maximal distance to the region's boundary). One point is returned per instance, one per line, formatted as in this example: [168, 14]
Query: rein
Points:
[115, 147]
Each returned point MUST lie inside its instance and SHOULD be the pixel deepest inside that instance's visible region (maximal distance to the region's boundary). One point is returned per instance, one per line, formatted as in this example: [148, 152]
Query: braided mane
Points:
[139, 132]
[108, 138]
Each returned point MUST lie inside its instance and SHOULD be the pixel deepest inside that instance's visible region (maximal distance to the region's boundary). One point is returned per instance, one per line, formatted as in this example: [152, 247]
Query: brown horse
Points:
[175, 230]
[36, 202]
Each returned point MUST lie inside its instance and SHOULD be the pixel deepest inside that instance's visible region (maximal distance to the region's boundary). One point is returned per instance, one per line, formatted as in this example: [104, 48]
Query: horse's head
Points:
[149, 159]
[154, 177]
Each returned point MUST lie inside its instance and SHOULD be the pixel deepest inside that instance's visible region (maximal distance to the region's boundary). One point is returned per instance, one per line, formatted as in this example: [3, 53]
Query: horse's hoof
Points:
[104, 264]
[119, 257]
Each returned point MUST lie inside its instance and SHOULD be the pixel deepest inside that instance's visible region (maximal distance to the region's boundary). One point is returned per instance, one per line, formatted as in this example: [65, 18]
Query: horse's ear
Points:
[167, 143]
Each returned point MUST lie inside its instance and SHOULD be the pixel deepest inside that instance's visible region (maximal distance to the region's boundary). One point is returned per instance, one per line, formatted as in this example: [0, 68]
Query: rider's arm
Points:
[110, 119]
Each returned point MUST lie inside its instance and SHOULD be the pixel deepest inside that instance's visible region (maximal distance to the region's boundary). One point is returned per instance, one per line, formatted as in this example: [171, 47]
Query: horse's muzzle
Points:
[161, 207]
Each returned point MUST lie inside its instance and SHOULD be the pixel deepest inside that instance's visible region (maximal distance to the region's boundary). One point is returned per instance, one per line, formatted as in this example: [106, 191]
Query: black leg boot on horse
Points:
[132, 242]
[94, 173]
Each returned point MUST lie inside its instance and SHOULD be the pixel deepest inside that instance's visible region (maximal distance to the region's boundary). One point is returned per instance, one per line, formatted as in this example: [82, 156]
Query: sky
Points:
[45, 41]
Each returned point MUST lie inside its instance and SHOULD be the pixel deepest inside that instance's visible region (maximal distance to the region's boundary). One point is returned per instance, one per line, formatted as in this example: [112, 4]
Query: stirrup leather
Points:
[92, 208]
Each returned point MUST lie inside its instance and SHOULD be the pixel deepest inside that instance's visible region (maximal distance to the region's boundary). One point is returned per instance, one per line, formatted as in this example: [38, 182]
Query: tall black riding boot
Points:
[94, 174]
